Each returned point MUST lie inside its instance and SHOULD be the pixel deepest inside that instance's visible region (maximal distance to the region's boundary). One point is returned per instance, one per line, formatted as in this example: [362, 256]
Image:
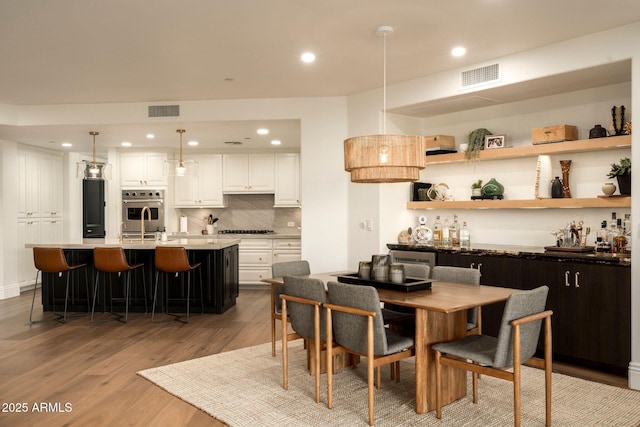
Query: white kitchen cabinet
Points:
[50, 186]
[287, 180]
[286, 250]
[28, 184]
[201, 187]
[248, 173]
[142, 169]
[254, 259]
[28, 232]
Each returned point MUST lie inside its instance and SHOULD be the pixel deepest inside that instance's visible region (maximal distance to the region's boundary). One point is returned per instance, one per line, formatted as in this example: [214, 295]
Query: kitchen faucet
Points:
[121, 235]
[146, 208]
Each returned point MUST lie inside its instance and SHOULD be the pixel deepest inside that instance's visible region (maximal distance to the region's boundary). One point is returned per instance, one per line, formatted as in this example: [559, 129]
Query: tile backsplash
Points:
[245, 211]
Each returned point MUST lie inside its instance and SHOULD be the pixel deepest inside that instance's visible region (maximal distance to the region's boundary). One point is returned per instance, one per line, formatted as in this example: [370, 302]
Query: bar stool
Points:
[170, 259]
[52, 260]
[110, 261]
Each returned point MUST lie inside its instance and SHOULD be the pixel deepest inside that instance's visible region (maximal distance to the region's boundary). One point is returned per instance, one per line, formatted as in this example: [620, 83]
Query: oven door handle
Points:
[143, 201]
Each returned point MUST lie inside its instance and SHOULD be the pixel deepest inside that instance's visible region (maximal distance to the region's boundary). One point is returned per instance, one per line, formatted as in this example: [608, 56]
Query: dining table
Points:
[441, 315]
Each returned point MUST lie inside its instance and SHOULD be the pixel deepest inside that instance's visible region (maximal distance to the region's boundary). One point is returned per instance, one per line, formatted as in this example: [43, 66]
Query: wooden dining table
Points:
[440, 316]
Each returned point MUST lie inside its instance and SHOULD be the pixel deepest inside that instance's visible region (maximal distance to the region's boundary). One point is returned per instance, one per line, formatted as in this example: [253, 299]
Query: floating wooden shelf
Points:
[568, 203]
[583, 145]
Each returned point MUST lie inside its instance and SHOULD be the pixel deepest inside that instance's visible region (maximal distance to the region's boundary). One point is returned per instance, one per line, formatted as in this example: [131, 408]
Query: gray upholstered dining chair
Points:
[354, 320]
[516, 344]
[281, 269]
[469, 276]
[301, 300]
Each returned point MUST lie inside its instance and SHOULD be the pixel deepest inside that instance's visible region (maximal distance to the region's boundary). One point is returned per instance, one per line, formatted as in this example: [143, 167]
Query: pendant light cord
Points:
[384, 82]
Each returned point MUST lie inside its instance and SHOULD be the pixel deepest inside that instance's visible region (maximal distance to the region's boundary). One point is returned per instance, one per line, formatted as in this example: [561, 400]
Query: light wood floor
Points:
[93, 366]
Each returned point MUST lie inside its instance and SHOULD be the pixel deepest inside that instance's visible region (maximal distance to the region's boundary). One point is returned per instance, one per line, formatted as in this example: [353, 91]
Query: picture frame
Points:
[494, 141]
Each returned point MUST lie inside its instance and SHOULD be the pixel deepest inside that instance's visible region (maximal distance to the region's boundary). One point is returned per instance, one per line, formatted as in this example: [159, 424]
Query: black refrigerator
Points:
[93, 208]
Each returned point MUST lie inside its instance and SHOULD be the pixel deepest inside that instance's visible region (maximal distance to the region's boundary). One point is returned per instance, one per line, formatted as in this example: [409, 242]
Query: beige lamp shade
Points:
[384, 158]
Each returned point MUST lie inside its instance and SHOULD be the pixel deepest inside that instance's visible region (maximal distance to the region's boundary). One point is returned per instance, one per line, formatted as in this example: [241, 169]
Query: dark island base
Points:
[219, 272]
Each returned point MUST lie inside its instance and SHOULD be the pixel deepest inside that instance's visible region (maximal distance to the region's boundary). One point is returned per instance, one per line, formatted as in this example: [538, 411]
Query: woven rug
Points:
[244, 388]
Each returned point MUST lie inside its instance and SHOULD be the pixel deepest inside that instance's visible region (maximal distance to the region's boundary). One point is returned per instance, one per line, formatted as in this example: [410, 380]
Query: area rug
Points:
[244, 388]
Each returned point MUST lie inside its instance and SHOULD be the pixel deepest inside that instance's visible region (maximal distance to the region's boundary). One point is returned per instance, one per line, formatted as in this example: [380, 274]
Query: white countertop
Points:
[191, 244]
[277, 235]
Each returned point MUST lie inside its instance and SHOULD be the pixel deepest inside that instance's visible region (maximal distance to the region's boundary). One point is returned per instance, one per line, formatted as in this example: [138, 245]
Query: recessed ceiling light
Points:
[150, 136]
[66, 144]
[308, 57]
[263, 131]
[458, 51]
[125, 144]
[276, 142]
[194, 143]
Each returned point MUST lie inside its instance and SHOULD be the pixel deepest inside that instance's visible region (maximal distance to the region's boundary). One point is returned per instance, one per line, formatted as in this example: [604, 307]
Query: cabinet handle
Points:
[577, 276]
[566, 278]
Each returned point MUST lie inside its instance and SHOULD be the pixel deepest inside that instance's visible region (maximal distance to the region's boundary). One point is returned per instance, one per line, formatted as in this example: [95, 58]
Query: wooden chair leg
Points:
[273, 336]
[285, 373]
[370, 368]
[547, 369]
[397, 369]
[475, 377]
[438, 386]
[329, 351]
[378, 378]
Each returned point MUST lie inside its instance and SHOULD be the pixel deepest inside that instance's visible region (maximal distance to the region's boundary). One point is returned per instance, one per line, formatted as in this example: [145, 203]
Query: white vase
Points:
[544, 176]
[608, 188]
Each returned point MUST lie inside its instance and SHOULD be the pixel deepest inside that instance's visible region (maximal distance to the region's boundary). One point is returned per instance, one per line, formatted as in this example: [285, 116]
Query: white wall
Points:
[9, 286]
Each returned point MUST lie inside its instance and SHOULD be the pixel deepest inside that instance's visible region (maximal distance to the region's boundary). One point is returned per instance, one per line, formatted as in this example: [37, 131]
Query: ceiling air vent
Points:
[482, 75]
[164, 110]
[233, 142]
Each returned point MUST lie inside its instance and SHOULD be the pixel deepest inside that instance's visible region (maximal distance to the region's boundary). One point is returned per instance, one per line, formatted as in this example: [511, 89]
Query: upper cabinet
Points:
[287, 180]
[201, 187]
[248, 173]
[142, 169]
[40, 184]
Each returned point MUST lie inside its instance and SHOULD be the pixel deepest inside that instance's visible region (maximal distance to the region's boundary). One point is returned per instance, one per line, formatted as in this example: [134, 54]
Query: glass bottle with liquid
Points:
[465, 237]
[454, 232]
[437, 232]
[446, 234]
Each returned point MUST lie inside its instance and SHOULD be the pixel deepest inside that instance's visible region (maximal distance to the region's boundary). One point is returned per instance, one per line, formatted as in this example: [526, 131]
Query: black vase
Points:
[556, 188]
[597, 132]
[624, 184]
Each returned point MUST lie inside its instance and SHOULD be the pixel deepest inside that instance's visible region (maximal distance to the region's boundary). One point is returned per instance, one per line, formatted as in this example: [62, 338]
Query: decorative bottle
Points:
[446, 234]
[454, 232]
[437, 232]
[556, 188]
[465, 237]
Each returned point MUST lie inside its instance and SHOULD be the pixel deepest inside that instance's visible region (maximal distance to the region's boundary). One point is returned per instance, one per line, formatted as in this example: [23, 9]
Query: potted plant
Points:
[622, 172]
[476, 188]
[476, 143]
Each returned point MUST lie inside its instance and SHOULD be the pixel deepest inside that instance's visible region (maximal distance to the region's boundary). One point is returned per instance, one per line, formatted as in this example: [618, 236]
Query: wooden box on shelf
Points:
[440, 142]
[556, 133]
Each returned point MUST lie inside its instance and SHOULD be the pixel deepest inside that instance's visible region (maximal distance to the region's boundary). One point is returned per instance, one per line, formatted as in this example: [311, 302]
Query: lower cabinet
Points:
[591, 303]
[257, 255]
[591, 306]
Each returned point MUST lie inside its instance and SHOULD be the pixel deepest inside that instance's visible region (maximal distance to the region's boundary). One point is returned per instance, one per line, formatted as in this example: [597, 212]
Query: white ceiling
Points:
[96, 51]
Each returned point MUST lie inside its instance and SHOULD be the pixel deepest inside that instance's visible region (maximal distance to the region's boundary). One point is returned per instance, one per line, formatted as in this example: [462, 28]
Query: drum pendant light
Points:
[384, 158]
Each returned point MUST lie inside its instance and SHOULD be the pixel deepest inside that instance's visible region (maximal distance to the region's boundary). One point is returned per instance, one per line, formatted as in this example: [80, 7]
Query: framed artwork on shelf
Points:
[494, 141]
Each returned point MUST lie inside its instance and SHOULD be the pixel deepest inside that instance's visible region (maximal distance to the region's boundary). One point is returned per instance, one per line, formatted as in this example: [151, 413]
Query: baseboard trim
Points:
[634, 375]
[10, 291]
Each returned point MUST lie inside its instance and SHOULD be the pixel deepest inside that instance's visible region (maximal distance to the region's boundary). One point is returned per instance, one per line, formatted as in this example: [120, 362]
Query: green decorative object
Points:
[492, 188]
[476, 143]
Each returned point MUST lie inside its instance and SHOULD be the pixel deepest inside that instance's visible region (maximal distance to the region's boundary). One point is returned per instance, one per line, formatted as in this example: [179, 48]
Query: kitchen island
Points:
[219, 272]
